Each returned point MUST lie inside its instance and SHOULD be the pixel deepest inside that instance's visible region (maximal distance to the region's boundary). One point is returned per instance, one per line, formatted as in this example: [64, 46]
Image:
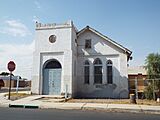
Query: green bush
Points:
[148, 92]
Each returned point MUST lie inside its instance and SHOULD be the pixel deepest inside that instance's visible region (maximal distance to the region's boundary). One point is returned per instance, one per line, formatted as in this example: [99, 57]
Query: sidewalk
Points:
[34, 101]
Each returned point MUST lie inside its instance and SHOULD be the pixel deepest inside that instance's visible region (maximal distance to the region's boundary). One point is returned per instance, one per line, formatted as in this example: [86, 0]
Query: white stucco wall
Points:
[105, 51]
[61, 50]
[74, 62]
[70, 51]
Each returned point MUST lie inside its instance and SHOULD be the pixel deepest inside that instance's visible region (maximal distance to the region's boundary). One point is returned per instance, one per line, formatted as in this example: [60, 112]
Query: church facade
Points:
[84, 63]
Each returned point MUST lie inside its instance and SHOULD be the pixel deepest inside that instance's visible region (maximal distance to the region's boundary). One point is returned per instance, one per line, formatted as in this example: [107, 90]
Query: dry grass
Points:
[147, 102]
[15, 96]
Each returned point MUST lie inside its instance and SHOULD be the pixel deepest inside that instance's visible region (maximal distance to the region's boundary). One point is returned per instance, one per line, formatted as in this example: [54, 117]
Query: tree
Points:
[152, 63]
[5, 74]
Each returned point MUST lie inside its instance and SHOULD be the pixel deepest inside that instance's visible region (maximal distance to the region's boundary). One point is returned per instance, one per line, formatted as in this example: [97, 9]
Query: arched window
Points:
[109, 72]
[97, 71]
[53, 64]
[86, 72]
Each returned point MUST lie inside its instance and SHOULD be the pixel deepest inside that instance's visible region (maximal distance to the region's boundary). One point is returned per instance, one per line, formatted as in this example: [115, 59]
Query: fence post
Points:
[66, 91]
[17, 84]
[136, 88]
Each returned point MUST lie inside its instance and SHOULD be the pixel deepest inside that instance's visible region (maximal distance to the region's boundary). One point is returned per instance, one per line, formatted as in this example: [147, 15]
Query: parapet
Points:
[40, 26]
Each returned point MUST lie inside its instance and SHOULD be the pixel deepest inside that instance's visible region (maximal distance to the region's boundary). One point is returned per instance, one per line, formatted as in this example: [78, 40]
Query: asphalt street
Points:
[53, 114]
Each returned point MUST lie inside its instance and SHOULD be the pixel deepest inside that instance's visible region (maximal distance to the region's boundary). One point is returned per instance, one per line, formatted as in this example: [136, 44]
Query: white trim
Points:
[42, 54]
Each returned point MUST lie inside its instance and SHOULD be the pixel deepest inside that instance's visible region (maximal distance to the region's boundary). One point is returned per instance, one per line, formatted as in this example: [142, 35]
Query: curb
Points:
[122, 110]
[4, 105]
[115, 110]
[104, 109]
[60, 107]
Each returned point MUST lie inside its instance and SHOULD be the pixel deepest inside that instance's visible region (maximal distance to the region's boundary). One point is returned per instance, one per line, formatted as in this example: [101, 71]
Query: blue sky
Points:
[133, 23]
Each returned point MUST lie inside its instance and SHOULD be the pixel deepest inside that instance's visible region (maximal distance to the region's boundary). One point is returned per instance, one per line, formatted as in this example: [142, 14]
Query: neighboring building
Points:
[5, 82]
[86, 63]
[137, 79]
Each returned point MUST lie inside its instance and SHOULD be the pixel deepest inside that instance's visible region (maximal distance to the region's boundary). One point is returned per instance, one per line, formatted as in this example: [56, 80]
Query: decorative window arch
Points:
[109, 72]
[86, 72]
[109, 62]
[52, 64]
[97, 71]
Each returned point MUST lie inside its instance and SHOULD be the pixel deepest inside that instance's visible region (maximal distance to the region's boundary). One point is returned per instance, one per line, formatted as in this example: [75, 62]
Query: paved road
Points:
[53, 114]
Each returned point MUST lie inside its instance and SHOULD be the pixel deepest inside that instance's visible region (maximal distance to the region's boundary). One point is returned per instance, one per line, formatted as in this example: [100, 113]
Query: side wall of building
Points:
[104, 50]
[74, 61]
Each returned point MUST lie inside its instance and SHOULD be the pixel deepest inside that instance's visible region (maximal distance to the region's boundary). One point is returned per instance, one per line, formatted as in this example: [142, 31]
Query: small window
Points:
[52, 38]
[88, 43]
[98, 71]
[109, 72]
[86, 72]
[86, 62]
[109, 62]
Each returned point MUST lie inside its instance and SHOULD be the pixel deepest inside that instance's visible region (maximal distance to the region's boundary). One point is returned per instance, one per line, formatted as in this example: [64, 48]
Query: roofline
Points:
[106, 38]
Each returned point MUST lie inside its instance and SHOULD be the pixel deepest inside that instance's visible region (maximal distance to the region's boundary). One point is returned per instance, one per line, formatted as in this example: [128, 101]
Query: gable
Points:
[99, 46]
[104, 40]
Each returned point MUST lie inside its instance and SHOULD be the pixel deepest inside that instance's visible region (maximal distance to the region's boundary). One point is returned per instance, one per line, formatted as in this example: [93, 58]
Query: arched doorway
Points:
[52, 78]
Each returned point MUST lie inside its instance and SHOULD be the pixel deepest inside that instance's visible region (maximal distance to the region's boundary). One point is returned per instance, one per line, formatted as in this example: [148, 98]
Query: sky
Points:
[135, 24]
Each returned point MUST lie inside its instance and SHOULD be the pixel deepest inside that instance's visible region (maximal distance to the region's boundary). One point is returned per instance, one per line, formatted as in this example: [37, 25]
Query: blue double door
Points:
[52, 82]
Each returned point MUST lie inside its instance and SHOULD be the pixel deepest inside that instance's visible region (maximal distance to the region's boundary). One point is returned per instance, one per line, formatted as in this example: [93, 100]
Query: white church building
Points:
[85, 63]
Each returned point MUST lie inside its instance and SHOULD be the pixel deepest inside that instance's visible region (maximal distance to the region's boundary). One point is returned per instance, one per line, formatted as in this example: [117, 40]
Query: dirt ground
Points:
[114, 101]
[15, 96]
